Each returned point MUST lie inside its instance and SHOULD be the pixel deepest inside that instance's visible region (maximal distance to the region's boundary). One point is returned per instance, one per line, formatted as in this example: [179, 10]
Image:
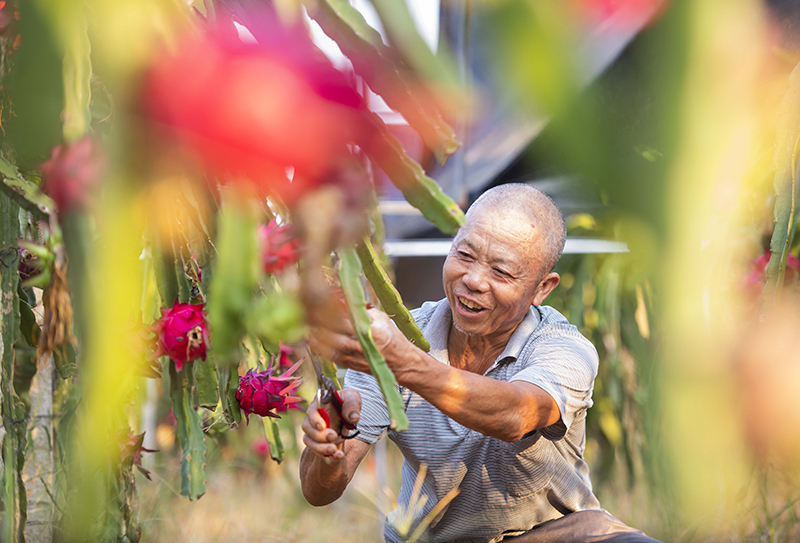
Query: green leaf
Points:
[190, 434]
[391, 302]
[350, 278]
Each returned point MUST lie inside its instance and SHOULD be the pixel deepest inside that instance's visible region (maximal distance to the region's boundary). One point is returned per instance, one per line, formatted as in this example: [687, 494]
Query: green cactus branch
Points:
[785, 161]
[420, 190]
[190, 434]
[12, 409]
[350, 278]
[370, 57]
[25, 193]
[390, 299]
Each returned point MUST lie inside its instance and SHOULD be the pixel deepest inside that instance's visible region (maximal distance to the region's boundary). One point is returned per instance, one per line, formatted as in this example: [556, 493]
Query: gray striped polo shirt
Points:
[505, 488]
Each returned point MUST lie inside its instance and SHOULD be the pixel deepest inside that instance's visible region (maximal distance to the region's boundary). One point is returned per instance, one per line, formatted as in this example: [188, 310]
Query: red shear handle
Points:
[337, 405]
[324, 414]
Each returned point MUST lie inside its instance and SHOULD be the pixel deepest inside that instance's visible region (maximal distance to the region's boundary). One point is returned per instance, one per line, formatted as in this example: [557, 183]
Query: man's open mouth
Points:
[470, 306]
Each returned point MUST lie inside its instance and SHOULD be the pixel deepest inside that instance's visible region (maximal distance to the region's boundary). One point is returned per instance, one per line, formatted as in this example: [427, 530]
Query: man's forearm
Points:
[495, 408]
[322, 483]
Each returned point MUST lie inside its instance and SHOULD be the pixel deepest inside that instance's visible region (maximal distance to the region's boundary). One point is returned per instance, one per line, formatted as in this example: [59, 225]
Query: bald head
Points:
[532, 206]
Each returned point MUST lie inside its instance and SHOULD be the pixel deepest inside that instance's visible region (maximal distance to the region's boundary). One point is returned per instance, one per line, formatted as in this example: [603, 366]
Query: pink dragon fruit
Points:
[72, 173]
[261, 393]
[182, 333]
[283, 356]
[278, 248]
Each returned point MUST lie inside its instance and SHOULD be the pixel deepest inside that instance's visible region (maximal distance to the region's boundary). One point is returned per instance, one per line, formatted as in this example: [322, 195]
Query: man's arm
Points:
[504, 410]
[324, 482]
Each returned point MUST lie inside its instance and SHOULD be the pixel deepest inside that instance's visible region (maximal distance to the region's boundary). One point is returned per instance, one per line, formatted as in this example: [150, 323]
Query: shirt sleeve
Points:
[374, 417]
[565, 368]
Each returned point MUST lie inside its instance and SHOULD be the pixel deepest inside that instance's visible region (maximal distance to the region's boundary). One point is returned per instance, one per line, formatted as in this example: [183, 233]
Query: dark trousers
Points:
[595, 526]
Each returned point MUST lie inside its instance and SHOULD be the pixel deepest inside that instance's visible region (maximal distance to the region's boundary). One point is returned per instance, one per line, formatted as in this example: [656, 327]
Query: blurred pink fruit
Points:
[71, 173]
[256, 109]
[278, 248]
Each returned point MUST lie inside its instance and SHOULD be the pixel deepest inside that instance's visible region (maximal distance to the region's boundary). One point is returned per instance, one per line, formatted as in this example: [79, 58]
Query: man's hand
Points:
[325, 441]
[324, 482]
[338, 344]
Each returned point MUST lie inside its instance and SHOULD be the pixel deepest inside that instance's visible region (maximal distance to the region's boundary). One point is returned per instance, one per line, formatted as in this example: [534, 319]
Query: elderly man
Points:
[497, 408]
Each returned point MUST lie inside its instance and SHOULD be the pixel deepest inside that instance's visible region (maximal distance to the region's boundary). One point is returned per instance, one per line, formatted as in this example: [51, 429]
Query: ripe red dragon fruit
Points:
[262, 393]
[182, 333]
[278, 248]
[253, 110]
[72, 172]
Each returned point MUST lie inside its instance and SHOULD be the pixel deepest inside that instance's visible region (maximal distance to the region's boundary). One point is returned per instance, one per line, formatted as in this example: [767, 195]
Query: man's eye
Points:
[502, 272]
[464, 254]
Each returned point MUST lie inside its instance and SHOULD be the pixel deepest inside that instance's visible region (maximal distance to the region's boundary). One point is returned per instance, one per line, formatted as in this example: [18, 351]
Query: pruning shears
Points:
[327, 394]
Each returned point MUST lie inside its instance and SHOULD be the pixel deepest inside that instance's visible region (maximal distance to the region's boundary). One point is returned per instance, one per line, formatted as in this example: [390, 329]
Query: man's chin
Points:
[464, 330]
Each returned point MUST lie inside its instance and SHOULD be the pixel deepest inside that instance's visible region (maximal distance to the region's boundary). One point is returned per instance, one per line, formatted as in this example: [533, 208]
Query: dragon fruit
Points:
[261, 393]
[182, 333]
[72, 173]
[278, 248]
[283, 356]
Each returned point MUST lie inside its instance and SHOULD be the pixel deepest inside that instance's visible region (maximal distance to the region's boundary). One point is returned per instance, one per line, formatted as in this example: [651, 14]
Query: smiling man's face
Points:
[494, 273]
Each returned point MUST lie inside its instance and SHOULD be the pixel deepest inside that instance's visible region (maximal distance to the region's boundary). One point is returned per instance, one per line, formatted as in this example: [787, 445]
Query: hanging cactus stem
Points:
[350, 277]
[390, 299]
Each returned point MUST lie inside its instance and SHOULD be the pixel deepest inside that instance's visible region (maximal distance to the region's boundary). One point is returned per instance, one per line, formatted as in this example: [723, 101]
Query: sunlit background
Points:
[176, 175]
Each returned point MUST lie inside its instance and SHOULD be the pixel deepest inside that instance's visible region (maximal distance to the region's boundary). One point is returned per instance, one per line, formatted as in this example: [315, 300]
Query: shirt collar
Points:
[439, 327]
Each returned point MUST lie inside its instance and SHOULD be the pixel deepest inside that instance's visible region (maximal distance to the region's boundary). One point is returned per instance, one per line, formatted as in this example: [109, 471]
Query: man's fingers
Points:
[322, 449]
[336, 340]
[351, 405]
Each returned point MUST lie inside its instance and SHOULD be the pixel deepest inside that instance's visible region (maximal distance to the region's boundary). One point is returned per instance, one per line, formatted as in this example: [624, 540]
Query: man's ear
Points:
[546, 286]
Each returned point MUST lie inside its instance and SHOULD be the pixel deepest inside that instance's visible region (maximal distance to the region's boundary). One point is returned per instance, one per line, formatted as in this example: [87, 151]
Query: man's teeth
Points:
[469, 304]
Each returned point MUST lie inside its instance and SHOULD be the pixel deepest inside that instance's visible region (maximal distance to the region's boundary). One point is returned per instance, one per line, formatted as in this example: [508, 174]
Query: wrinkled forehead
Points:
[510, 230]
[498, 219]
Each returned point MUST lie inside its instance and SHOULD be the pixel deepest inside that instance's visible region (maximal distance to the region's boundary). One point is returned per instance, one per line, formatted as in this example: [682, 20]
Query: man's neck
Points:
[474, 353]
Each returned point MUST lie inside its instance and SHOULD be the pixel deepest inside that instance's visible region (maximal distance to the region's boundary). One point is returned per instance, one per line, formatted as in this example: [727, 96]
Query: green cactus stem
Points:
[785, 160]
[372, 60]
[390, 299]
[206, 383]
[273, 434]
[420, 190]
[24, 192]
[228, 382]
[350, 278]
[190, 434]
[12, 408]
[329, 370]
[235, 276]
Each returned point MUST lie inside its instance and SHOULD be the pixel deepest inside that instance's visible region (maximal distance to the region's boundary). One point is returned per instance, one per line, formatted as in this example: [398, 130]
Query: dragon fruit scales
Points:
[262, 393]
[182, 333]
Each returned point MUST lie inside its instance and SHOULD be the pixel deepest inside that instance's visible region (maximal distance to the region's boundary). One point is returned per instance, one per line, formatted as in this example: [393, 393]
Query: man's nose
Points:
[475, 279]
